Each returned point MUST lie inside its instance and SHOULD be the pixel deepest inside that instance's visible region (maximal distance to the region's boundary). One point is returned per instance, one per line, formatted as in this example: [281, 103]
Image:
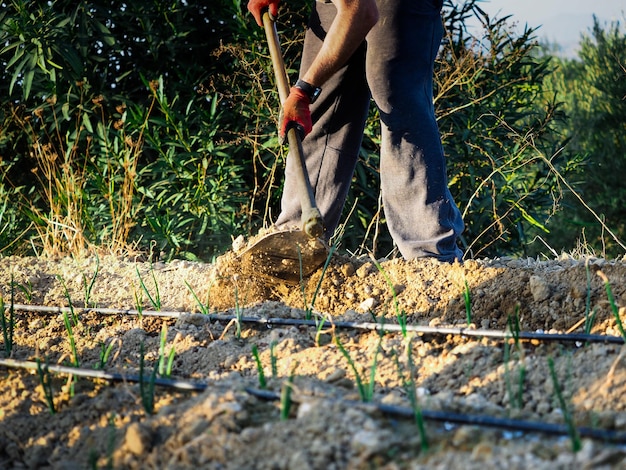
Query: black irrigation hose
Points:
[369, 326]
[103, 375]
[515, 425]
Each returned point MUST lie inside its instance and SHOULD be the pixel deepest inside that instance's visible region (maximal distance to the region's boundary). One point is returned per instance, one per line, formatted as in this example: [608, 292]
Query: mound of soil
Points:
[318, 355]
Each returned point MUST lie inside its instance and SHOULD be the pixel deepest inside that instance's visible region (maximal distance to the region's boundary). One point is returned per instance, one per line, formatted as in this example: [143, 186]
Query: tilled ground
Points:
[229, 425]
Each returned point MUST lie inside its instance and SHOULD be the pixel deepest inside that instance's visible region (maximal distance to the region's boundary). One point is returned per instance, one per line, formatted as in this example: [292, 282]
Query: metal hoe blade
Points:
[289, 256]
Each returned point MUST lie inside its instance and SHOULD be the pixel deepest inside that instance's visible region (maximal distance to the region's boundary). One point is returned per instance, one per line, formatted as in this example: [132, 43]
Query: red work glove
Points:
[295, 113]
[257, 7]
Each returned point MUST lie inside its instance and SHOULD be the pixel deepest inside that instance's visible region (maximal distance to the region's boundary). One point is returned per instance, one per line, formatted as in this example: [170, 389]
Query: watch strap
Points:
[311, 91]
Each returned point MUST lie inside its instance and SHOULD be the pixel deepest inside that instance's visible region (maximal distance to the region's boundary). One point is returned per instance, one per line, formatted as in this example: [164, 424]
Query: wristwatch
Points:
[312, 91]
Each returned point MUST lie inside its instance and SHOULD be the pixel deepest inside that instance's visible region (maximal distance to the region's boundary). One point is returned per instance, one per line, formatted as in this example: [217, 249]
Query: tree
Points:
[593, 88]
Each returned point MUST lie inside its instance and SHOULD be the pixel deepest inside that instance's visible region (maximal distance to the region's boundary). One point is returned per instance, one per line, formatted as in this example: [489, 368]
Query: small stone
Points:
[366, 441]
[368, 304]
[482, 451]
[336, 375]
[306, 408]
[239, 243]
[347, 269]
[539, 288]
[365, 270]
[464, 437]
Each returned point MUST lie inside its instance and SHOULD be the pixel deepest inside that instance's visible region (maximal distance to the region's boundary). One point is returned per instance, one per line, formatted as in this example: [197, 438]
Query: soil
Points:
[230, 425]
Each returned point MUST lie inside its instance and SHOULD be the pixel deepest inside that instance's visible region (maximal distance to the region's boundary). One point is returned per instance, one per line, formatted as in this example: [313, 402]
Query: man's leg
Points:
[421, 215]
[332, 148]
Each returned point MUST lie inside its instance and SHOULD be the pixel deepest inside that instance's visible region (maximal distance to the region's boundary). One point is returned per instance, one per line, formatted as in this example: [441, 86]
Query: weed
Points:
[146, 390]
[156, 300]
[46, 384]
[259, 367]
[569, 419]
[285, 394]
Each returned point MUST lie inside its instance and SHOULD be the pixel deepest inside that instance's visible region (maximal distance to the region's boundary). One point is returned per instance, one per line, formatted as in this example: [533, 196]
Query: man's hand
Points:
[295, 112]
[257, 7]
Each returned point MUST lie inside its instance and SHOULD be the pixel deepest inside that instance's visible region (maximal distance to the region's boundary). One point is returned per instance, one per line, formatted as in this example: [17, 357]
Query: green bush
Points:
[153, 125]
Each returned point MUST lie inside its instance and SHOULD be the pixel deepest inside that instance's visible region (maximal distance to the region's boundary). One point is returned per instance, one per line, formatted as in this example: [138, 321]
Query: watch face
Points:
[315, 94]
[312, 91]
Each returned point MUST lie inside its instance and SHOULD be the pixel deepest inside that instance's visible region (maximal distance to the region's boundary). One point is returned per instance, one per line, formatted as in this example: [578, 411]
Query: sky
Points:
[560, 21]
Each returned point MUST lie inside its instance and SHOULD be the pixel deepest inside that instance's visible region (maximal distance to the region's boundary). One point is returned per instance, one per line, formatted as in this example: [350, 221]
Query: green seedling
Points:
[88, 286]
[590, 320]
[111, 442]
[510, 350]
[366, 389]
[7, 324]
[238, 313]
[273, 359]
[70, 305]
[46, 384]
[409, 387]
[165, 368]
[285, 394]
[70, 335]
[590, 316]
[27, 289]
[105, 352]
[467, 297]
[146, 387]
[138, 304]
[400, 314]
[156, 300]
[94, 455]
[309, 308]
[614, 307]
[204, 307]
[320, 321]
[567, 415]
[259, 367]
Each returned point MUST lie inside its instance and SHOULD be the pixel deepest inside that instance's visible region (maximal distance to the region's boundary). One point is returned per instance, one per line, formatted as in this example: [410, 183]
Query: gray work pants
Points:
[394, 66]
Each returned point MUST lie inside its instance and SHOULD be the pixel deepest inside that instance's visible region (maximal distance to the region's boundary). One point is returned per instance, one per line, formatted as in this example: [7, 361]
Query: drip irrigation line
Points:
[103, 375]
[368, 326]
[514, 425]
